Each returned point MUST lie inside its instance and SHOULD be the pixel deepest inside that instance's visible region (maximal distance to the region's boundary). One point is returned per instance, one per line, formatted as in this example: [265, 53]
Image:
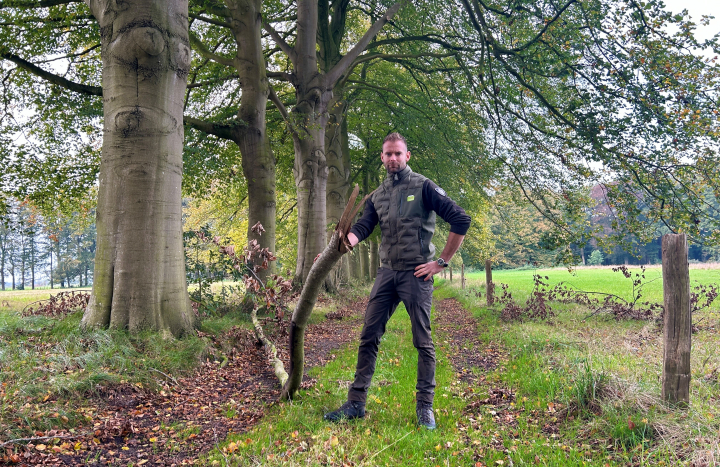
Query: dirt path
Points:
[189, 416]
[460, 342]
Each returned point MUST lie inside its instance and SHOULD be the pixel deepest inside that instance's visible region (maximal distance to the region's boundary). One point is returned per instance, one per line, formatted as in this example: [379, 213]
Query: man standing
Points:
[405, 206]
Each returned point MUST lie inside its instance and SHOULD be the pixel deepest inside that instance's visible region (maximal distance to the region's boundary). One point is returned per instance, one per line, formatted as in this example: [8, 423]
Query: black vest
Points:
[407, 227]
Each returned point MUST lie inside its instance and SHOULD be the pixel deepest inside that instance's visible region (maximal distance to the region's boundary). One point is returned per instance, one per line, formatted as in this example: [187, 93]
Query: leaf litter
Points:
[186, 417]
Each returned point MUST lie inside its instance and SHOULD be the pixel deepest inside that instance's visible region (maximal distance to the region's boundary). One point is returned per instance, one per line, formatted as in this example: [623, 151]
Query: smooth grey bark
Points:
[258, 161]
[331, 31]
[354, 265]
[139, 278]
[3, 248]
[314, 92]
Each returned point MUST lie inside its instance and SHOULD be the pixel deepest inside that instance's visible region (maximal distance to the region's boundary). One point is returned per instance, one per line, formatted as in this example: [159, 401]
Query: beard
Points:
[394, 168]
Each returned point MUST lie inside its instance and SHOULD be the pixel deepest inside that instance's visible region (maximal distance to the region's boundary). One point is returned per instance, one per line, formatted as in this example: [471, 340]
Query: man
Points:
[405, 206]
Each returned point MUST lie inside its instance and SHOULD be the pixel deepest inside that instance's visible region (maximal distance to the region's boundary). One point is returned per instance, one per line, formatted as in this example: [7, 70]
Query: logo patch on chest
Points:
[411, 198]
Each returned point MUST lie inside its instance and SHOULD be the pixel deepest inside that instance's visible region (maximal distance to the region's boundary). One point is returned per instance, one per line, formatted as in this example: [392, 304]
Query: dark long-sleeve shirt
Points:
[433, 198]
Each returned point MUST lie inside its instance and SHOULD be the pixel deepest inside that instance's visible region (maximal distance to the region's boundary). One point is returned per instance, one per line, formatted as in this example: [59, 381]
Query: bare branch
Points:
[79, 54]
[210, 20]
[40, 4]
[283, 111]
[40, 438]
[51, 77]
[201, 84]
[205, 52]
[225, 130]
[279, 75]
[368, 57]
[284, 46]
[342, 66]
[421, 38]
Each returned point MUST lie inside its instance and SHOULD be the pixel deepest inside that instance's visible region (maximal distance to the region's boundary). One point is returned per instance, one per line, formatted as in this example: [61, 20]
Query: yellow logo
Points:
[411, 198]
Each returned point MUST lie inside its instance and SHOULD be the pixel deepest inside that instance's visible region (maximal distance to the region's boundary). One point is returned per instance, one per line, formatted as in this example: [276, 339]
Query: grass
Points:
[587, 392]
[592, 279]
[48, 366]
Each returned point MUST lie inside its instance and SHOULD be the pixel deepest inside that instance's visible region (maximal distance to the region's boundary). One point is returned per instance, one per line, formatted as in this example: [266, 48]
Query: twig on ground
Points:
[173, 380]
[218, 447]
[388, 446]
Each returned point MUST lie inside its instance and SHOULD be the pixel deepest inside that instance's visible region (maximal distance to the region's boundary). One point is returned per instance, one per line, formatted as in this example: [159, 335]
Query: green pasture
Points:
[593, 279]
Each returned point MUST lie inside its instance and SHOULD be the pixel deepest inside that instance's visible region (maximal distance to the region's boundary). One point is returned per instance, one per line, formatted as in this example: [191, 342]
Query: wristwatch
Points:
[442, 262]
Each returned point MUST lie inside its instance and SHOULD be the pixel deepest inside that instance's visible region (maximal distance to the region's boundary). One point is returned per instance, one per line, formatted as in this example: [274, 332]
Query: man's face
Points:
[395, 156]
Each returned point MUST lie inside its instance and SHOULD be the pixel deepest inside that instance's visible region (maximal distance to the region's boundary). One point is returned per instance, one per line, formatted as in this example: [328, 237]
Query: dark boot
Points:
[425, 415]
[348, 411]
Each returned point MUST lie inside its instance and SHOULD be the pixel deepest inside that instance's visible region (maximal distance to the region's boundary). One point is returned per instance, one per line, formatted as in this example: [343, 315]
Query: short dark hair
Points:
[395, 136]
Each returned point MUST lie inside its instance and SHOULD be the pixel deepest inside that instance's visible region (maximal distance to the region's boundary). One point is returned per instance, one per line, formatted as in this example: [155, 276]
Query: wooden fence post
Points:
[450, 268]
[677, 320]
[462, 276]
[489, 286]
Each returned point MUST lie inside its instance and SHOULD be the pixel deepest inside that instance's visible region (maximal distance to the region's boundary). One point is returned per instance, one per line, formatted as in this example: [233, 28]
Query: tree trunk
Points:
[60, 272]
[355, 269]
[374, 259]
[310, 173]
[51, 268]
[258, 161]
[23, 273]
[313, 92]
[328, 258]
[338, 161]
[139, 278]
[489, 285]
[364, 261]
[68, 255]
[32, 262]
[2, 266]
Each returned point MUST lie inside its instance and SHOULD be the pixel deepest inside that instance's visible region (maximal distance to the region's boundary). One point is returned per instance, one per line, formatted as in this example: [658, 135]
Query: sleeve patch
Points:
[440, 191]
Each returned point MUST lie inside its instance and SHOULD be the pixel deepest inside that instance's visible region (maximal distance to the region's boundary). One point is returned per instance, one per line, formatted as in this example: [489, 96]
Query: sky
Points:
[697, 8]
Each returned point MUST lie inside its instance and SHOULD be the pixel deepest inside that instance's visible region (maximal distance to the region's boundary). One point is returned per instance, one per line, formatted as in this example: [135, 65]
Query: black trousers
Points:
[392, 287]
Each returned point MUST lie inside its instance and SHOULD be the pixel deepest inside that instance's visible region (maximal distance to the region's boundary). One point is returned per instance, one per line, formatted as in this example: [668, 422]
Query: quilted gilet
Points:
[407, 227]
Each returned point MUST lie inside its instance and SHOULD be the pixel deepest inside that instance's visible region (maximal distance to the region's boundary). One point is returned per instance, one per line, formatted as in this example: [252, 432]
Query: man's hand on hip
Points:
[428, 270]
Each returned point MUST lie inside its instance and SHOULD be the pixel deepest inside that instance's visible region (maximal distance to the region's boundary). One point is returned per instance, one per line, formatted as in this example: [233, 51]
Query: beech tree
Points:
[139, 279]
[309, 117]
[239, 23]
